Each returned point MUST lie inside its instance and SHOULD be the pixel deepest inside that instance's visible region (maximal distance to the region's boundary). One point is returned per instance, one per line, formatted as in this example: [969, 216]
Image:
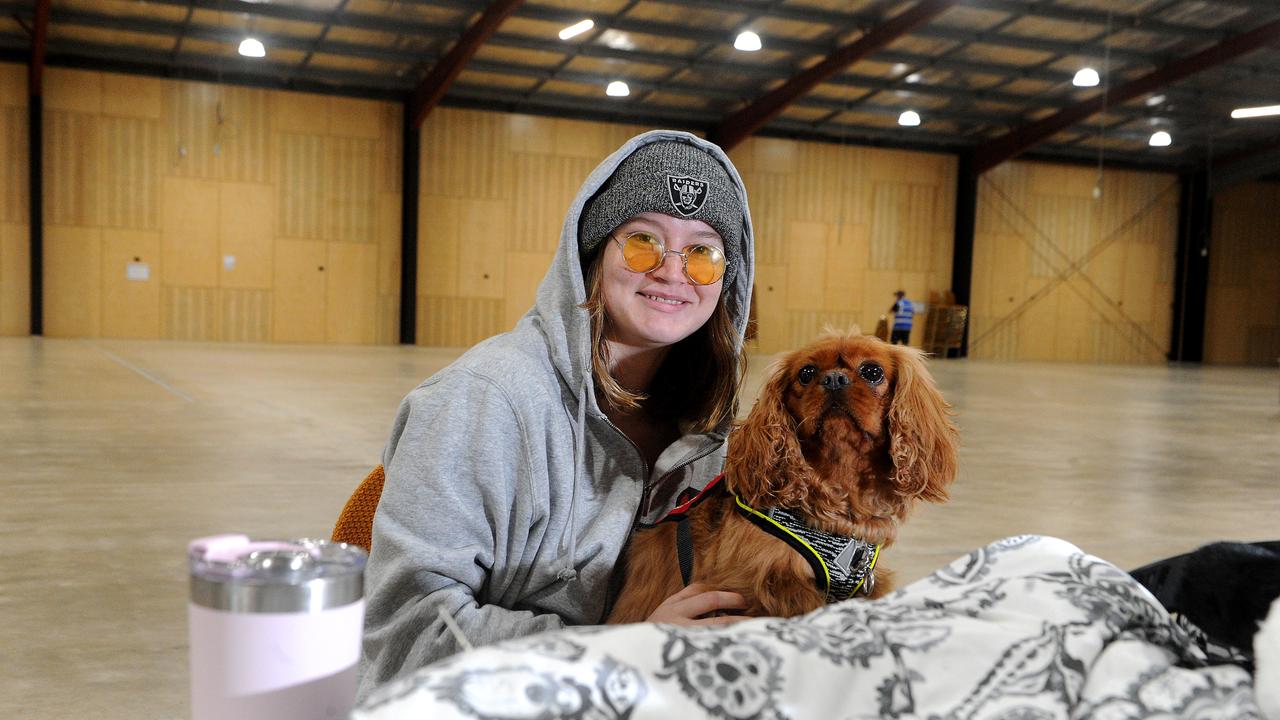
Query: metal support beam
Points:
[962, 245]
[740, 125]
[410, 164]
[444, 72]
[1011, 144]
[35, 161]
[39, 44]
[1191, 275]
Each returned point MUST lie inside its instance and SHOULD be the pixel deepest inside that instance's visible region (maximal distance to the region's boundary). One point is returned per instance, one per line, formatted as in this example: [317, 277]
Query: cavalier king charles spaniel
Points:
[847, 435]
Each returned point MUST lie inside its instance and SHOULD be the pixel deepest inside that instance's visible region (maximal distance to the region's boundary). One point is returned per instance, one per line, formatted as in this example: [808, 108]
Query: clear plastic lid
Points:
[232, 572]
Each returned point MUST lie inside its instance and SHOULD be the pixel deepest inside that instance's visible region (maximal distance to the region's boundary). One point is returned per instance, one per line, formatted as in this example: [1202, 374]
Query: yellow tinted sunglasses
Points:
[644, 252]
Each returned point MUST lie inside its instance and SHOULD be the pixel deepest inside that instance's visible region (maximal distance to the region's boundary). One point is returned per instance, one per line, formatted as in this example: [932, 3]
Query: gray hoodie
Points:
[509, 494]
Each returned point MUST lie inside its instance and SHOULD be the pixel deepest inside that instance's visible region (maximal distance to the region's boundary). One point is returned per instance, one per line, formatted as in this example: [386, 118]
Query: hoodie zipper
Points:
[619, 572]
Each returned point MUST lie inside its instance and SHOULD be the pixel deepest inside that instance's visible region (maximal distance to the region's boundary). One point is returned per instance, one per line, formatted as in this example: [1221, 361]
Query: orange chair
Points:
[355, 522]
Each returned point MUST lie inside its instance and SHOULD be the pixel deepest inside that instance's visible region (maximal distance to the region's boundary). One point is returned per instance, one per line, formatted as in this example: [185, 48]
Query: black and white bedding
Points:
[1028, 628]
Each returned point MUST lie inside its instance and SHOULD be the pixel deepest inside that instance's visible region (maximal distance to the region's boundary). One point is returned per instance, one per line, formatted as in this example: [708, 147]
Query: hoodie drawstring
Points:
[569, 572]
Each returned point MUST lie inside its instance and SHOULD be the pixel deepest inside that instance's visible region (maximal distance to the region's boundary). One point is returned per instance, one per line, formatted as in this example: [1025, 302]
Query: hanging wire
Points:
[1102, 116]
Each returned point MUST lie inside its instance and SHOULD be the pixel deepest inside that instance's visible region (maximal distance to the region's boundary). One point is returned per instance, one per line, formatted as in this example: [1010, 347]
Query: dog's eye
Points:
[807, 373]
[871, 372]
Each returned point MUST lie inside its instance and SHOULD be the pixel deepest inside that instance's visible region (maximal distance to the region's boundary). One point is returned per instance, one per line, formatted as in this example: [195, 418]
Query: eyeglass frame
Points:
[684, 256]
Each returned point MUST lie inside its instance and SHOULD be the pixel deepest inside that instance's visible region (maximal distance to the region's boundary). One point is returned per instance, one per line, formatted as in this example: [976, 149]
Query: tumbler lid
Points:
[234, 573]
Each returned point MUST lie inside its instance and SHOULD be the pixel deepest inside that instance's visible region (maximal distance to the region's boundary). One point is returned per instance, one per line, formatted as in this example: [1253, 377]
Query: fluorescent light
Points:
[617, 88]
[747, 41]
[1256, 111]
[909, 118]
[577, 29]
[913, 78]
[252, 48]
[1160, 138]
[1155, 100]
[1086, 77]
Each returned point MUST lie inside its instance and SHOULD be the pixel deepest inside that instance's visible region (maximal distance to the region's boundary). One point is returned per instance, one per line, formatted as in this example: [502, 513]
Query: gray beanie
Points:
[669, 177]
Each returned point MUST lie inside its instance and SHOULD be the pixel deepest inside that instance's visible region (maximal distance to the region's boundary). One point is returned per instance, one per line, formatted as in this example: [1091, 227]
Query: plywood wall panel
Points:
[190, 238]
[132, 96]
[846, 267]
[352, 293]
[388, 244]
[770, 296]
[303, 187]
[389, 158]
[767, 193]
[15, 279]
[806, 265]
[465, 154]
[241, 135]
[13, 84]
[14, 205]
[482, 266]
[301, 287]
[72, 90]
[128, 171]
[221, 171]
[548, 186]
[15, 256]
[439, 223]
[244, 314]
[188, 313]
[191, 124]
[300, 113]
[71, 180]
[524, 273]
[131, 307]
[1048, 253]
[72, 281]
[351, 205]
[457, 322]
[1242, 316]
[246, 217]
[805, 325]
[354, 118]
[388, 320]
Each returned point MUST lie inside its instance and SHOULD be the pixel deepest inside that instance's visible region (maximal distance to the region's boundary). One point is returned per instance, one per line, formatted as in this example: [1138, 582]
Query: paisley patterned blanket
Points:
[1027, 628]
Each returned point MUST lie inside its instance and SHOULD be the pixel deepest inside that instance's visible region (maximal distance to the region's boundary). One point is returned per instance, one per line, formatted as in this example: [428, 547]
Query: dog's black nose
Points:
[835, 380]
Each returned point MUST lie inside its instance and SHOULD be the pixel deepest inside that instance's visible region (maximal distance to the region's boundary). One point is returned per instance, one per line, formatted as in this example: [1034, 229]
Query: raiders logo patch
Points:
[687, 194]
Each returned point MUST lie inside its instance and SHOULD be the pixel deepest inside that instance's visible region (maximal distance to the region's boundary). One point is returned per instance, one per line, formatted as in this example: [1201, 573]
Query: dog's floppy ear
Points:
[766, 454]
[923, 440]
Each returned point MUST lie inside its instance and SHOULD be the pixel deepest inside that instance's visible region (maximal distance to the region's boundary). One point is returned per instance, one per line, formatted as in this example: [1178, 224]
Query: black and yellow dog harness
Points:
[842, 566]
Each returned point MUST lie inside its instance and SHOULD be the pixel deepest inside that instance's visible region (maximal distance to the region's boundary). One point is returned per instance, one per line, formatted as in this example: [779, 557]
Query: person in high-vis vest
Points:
[903, 312]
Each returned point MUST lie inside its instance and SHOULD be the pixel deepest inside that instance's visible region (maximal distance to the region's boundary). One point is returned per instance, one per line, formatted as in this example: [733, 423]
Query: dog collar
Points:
[842, 566]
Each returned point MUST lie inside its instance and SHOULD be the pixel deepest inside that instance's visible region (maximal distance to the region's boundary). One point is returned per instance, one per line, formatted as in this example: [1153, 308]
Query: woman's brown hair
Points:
[700, 379]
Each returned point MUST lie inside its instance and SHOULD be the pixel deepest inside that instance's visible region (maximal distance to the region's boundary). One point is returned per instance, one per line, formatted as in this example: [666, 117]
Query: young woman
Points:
[515, 475]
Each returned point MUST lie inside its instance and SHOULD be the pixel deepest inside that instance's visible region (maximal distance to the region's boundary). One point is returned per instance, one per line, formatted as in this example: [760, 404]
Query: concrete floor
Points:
[113, 454]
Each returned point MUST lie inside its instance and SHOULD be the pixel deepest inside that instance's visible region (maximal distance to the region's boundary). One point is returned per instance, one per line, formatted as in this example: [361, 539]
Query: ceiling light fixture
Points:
[1155, 100]
[747, 41]
[1253, 112]
[913, 78]
[1086, 77]
[617, 88]
[1160, 138]
[909, 118]
[252, 48]
[577, 29]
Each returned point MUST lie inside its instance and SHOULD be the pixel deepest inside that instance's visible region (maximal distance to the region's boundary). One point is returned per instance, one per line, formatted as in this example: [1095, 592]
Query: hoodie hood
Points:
[558, 310]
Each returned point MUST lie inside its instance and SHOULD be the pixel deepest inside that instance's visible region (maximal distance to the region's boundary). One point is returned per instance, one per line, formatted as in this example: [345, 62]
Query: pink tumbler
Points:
[274, 628]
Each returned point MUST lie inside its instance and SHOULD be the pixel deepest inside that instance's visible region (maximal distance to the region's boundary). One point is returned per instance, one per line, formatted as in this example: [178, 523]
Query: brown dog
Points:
[846, 436]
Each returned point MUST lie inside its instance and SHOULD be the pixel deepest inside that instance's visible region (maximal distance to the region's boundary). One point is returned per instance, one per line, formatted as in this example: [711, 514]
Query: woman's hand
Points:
[688, 607]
